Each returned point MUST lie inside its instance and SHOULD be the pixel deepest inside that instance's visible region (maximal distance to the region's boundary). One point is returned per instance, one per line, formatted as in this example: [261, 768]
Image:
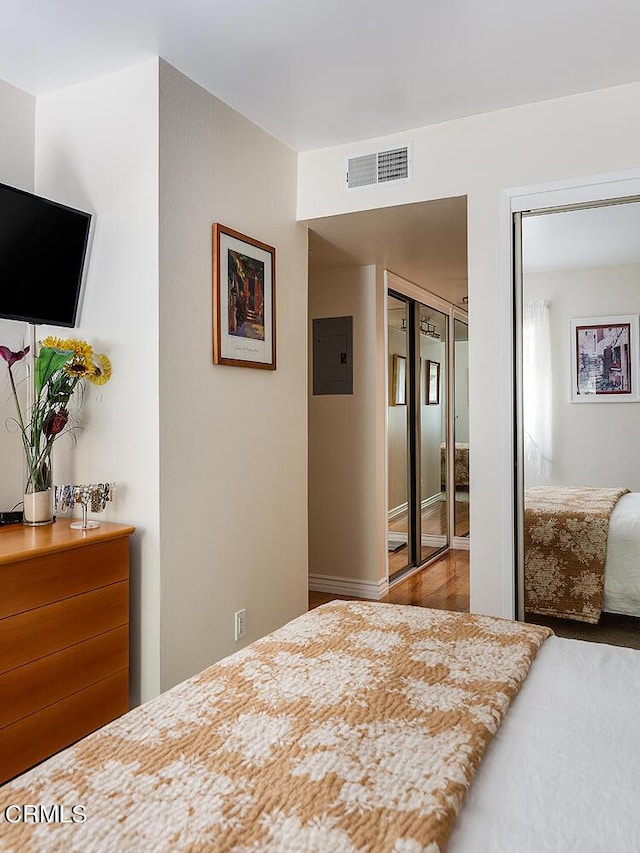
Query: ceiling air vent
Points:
[382, 167]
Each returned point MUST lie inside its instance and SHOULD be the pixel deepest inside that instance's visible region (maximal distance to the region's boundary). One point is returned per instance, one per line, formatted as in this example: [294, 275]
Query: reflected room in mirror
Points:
[461, 428]
[580, 561]
[418, 508]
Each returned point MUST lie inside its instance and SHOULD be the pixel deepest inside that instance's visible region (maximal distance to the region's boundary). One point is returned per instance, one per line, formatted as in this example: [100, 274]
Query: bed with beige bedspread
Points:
[565, 547]
[356, 727]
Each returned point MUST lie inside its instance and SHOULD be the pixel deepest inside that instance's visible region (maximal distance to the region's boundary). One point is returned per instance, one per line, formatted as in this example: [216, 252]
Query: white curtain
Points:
[537, 385]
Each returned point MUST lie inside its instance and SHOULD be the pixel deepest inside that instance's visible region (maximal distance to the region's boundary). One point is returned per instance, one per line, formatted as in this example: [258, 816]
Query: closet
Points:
[427, 429]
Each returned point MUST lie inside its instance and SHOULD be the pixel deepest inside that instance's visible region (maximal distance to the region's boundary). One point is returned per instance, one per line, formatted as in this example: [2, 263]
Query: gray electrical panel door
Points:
[333, 355]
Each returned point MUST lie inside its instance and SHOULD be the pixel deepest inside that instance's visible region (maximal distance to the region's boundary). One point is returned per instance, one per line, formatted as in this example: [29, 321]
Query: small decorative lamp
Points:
[95, 495]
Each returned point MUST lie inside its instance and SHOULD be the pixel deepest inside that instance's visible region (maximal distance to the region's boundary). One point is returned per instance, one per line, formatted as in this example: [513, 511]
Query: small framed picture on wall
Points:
[432, 396]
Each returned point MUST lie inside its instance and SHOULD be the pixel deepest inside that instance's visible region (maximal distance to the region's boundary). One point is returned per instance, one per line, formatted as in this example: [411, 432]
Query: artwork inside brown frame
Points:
[244, 300]
[432, 390]
[399, 381]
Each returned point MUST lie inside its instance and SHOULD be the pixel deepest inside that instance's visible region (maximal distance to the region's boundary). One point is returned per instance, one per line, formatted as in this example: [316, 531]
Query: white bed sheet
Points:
[622, 567]
[562, 773]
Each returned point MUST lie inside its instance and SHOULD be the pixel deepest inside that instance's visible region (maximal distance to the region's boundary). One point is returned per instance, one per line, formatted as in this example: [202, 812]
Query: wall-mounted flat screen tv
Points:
[43, 246]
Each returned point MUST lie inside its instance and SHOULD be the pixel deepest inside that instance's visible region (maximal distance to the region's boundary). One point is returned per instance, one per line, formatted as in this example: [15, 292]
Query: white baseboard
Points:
[461, 543]
[434, 499]
[433, 540]
[402, 509]
[398, 511]
[373, 590]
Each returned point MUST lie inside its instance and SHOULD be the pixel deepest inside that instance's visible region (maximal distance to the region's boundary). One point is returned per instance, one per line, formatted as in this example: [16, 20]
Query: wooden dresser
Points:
[64, 637]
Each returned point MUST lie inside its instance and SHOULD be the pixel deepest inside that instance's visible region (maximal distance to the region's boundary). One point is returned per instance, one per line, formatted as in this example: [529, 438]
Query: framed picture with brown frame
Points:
[432, 372]
[244, 300]
[399, 381]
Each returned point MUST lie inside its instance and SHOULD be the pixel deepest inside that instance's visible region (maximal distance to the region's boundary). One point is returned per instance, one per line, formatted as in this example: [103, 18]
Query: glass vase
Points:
[38, 492]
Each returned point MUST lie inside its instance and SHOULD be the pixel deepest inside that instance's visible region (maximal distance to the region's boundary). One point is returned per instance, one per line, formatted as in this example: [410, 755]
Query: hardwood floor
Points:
[434, 523]
[443, 585]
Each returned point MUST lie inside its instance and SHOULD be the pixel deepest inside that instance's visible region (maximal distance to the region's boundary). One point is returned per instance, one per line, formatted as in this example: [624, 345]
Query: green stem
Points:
[17, 401]
[36, 456]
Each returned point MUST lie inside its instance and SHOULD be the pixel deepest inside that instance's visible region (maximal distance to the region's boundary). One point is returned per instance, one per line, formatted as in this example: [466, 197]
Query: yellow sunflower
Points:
[80, 349]
[79, 368]
[101, 372]
[55, 343]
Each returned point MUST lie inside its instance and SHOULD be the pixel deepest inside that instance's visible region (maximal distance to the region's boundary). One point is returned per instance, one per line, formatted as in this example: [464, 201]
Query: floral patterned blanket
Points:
[356, 727]
[565, 546]
[461, 463]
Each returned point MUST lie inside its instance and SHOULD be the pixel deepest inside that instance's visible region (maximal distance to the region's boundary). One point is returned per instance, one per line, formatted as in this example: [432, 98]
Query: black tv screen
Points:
[43, 246]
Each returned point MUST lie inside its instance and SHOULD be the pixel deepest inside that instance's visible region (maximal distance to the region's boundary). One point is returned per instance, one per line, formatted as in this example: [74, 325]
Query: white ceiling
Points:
[594, 237]
[329, 72]
[326, 72]
[425, 243]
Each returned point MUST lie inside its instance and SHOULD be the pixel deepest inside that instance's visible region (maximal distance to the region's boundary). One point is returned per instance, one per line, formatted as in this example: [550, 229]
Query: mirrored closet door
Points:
[400, 519]
[461, 431]
[417, 433]
[578, 496]
[432, 335]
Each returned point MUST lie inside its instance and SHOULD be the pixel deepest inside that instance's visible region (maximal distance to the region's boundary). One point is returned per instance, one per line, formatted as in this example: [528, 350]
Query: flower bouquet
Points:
[61, 367]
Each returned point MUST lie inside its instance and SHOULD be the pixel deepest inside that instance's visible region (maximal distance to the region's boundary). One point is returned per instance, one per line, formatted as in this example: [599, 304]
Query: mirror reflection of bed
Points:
[582, 561]
[461, 467]
[581, 275]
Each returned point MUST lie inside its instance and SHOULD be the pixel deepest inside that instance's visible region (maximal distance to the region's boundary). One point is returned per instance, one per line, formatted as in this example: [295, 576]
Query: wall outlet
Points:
[240, 624]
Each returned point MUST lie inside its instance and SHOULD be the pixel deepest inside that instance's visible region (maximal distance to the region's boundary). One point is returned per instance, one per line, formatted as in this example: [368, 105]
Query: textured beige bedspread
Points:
[356, 727]
[565, 547]
[461, 463]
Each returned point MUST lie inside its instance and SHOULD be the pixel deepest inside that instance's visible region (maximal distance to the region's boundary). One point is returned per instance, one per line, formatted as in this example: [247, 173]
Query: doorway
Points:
[349, 256]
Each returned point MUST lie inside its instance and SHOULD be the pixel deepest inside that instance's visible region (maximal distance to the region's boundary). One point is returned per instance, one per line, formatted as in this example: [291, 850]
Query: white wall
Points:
[97, 149]
[233, 441]
[482, 157]
[346, 498]
[17, 133]
[594, 444]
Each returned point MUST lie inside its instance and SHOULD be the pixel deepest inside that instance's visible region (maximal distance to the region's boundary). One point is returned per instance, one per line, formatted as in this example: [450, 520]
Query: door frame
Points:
[586, 191]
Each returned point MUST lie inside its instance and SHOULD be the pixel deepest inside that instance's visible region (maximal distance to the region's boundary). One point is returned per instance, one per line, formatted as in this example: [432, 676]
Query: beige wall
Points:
[210, 462]
[433, 419]
[577, 140]
[462, 391]
[17, 130]
[594, 444]
[346, 432]
[97, 149]
[233, 441]
[396, 431]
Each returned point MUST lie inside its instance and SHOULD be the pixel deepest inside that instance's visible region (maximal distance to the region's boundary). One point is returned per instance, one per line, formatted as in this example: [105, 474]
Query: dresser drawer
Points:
[45, 630]
[39, 735]
[31, 687]
[42, 580]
